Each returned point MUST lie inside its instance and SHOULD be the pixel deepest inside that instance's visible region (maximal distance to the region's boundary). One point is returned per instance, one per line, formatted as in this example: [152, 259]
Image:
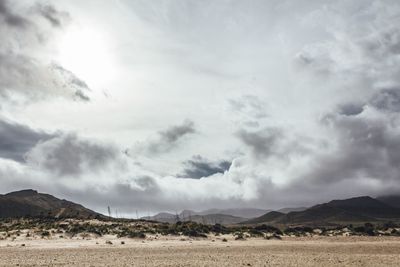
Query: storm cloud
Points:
[199, 167]
[17, 139]
[365, 143]
[69, 155]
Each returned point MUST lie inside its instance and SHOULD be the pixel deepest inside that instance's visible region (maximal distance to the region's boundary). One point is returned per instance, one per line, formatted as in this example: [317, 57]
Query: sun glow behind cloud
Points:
[86, 52]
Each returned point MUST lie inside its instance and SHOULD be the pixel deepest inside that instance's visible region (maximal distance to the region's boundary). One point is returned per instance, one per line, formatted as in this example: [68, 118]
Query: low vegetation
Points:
[139, 229]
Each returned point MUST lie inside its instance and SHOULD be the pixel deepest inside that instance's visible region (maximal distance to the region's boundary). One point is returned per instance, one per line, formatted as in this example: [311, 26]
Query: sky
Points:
[183, 104]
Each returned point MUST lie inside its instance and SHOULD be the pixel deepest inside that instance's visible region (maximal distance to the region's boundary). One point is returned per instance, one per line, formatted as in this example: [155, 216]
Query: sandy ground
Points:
[324, 251]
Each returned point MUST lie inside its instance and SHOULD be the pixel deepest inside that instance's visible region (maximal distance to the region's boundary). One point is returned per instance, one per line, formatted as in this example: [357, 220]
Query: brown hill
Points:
[30, 203]
[358, 209]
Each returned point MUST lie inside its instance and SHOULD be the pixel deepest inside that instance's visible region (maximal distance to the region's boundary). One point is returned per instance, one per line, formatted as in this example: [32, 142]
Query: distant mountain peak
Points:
[23, 193]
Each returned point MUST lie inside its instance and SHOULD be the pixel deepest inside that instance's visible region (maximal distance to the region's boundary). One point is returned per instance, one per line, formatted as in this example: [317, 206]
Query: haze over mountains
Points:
[287, 210]
[238, 214]
[223, 216]
[358, 209]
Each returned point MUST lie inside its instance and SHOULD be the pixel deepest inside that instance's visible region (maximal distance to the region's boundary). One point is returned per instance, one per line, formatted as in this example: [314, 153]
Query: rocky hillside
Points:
[30, 203]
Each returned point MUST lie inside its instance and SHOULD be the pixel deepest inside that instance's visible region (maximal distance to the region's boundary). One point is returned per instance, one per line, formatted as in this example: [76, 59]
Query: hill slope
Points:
[31, 203]
[269, 217]
[358, 209]
[393, 201]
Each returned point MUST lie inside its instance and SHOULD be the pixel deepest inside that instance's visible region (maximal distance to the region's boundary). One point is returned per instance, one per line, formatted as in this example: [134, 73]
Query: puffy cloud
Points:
[365, 143]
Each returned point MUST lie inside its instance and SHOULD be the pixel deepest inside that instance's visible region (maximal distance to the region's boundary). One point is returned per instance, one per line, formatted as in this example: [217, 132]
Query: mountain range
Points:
[30, 203]
[210, 216]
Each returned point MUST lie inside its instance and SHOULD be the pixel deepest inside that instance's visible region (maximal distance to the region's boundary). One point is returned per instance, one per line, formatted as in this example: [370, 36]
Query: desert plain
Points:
[211, 251]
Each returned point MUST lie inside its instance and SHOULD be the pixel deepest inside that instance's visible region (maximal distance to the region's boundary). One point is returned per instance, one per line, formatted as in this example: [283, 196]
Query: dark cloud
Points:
[351, 109]
[51, 14]
[364, 148]
[171, 137]
[10, 17]
[199, 167]
[69, 155]
[16, 140]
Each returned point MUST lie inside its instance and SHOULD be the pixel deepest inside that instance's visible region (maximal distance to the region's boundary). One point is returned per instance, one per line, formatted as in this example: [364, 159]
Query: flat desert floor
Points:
[323, 251]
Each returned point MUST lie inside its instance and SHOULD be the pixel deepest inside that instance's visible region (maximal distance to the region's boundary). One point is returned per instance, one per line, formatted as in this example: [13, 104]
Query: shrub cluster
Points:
[46, 227]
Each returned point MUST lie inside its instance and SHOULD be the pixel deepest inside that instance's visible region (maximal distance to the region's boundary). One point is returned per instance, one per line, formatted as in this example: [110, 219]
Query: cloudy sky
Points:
[173, 104]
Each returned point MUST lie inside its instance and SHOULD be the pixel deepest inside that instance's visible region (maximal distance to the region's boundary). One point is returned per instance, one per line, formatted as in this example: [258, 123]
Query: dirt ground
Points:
[324, 251]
